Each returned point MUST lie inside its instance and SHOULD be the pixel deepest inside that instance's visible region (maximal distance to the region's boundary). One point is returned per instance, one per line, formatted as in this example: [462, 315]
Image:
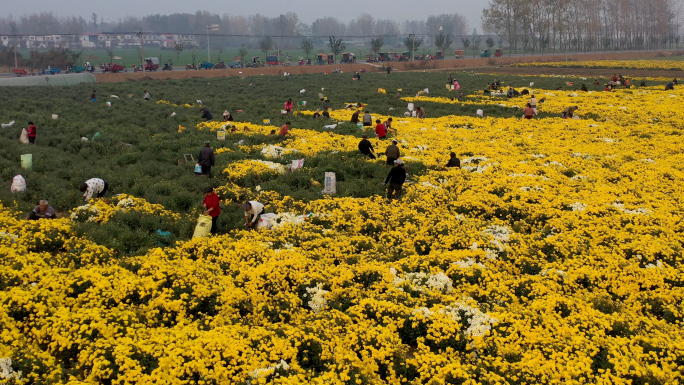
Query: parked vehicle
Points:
[167, 67]
[322, 58]
[76, 69]
[114, 68]
[439, 55]
[331, 58]
[498, 52]
[190, 66]
[235, 64]
[272, 60]
[206, 65]
[348, 57]
[220, 65]
[20, 71]
[151, 64]
[371, 58]
[458, 54]
[51, 71]
[485, 53]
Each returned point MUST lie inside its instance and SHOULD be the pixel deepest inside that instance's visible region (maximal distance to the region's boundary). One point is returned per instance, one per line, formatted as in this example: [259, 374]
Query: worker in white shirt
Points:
[253, 211]
[95, 186]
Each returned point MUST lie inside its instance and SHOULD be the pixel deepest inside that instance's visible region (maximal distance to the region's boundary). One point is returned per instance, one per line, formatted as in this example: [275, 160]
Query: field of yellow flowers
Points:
[674, 65]
[553, 256]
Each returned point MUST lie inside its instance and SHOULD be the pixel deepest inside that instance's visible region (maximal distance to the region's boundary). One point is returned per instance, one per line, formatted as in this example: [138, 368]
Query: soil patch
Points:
[475, 64]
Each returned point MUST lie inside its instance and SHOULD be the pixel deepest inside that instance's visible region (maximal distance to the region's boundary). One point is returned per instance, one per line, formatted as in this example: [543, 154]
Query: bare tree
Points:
[178, 47]
[307, 46]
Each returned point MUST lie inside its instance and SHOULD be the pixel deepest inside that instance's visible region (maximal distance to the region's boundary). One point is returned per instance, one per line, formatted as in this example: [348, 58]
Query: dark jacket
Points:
[207, 115]
[206, 156]
[365, 146]
[355, 117]
[392, 151]
[454, 162]
[397, 175]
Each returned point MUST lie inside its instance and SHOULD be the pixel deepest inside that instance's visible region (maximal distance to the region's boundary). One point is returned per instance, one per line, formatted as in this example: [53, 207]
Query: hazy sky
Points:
[308, 11]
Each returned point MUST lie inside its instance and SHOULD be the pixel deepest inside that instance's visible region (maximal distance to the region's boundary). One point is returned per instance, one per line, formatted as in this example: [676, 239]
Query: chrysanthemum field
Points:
[553, 256]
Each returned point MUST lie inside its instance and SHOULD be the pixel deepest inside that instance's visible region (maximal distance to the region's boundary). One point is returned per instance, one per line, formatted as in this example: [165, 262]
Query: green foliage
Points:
[336, 45]
[307, 46]
[443, 42]
[376, 44]
[412, 43]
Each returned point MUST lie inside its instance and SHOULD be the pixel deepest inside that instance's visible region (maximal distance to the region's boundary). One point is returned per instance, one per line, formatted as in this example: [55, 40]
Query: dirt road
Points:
[474, 64]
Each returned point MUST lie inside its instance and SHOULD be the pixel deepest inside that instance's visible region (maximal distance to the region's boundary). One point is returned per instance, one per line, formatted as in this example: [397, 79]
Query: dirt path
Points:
[476, 64]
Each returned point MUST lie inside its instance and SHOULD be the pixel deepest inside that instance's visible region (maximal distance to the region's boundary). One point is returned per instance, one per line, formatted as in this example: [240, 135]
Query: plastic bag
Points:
[480, 113]
[297, 163]
[24, 136]
[330, 183]
[203, 227]
[27, 161]
[18, 184]
[264, 223]
[410, 106]
[198, 169]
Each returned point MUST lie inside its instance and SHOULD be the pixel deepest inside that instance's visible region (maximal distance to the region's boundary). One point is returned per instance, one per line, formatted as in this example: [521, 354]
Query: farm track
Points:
[493, 65]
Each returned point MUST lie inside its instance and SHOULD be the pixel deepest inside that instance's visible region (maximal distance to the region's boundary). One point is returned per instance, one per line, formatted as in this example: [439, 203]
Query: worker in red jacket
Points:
[212, 207]
[31, 132]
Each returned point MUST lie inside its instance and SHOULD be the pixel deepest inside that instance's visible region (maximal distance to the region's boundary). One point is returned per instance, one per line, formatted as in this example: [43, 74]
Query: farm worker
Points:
[366, 147]
[584, 88]
[31, 131]
[669, 86]
[317, 114]
[456, 85]
[396, 179]
[93, 97]
[326, 103]
[392, 152]
[289, 105]
[569, 112]
[206, 114]
[453, 161]
[285, 130]
[389, 69]
[451, 79]
[627, 83]
[206, 159]
[533, 103]
[147, 95]
[357, 75]
[355, 117]
[212, 207]
[380, 129]
[420, 112]
[325, 113]
[674, 81]
[43, 210]
[529, 112]
[227, 117]
[95, 186]
[367, 119]
[388, 124]
[254, 210]
[606, 87]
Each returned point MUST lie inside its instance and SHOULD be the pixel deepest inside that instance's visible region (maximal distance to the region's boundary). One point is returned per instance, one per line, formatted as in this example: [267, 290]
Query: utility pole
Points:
[210, 27]
[413, 45]
[142, 50]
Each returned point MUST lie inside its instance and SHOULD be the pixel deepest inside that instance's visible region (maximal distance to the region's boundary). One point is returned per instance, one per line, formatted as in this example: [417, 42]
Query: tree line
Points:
[584, 25]
[287, 26]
